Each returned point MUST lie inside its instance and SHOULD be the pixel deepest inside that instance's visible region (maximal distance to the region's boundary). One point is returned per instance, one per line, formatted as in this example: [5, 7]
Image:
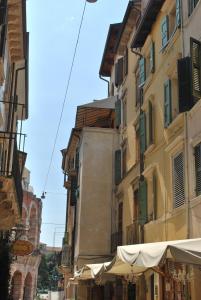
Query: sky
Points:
[53, 27]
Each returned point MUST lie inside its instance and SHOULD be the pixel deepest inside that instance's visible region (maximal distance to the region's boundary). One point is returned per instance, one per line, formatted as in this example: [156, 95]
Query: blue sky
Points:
[53, 27]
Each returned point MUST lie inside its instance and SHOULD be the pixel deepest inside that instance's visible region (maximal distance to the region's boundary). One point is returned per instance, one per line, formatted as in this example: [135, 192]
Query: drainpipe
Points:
[187, 174]
[136, 53]
[108, 83]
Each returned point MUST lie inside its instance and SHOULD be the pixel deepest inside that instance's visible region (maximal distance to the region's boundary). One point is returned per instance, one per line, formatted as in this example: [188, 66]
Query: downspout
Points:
[136, 53]
[187, 174]
[108, 83]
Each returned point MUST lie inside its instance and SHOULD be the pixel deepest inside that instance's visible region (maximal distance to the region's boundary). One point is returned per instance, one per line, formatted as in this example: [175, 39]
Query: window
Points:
[119, 72]
[170, 23]
[142, 71]
[154, 195]
[126, 63]
[135, 205]
[118, 113]
[198, 169]
[196, 67]
[152, 58]
[142, 132]
[117, 166]
[137, 142]
[124, 113]
[178, 180]
[139, 90]
[143, 202]
[124, 156]
[167, 103]
[191, 5]
[150, 127]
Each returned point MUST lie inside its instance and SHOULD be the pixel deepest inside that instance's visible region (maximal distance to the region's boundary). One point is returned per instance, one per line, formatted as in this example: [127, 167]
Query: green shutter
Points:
[152, 58]
[118, 113]
[167, 103]
[143, 202]
[117, 166]
[154, 196]
[165, 31]
[178, 12]
[142, 132]
[150, 124]
[196, 67]
[142, 71]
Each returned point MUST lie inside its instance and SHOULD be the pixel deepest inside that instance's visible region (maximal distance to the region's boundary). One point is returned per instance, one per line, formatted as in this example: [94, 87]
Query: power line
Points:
[65, 97]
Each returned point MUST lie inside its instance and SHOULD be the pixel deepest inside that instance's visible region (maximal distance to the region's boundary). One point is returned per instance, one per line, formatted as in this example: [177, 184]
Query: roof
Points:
[147, 20]
[131, 15]
[109, 51]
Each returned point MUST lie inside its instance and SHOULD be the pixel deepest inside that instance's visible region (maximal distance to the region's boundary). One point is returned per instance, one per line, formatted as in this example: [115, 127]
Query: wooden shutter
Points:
[154, 187]
[150, 124]
[142, 132]
[198, 169]
[126, 63]
[143, 202]
[142, 71]
[77, 159]
[152, 58]
[196, 67]
[165, 31]
[73, 190]
[117, 166]
[178, 180]
[118, 113]
[185, 84]
[167, 103]
[178, 12]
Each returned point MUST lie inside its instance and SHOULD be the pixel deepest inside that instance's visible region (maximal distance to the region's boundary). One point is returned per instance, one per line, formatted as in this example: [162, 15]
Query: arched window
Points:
[16, 286]
[28, 287]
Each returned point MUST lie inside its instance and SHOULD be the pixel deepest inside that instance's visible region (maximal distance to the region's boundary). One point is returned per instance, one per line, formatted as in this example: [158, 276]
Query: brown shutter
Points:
[196, 67]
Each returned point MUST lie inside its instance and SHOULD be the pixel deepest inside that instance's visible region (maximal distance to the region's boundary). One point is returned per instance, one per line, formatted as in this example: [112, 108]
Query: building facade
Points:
[152, 59]
[24, 269]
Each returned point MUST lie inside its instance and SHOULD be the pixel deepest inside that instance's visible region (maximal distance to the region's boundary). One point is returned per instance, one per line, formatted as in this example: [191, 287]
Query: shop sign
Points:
[22, 248]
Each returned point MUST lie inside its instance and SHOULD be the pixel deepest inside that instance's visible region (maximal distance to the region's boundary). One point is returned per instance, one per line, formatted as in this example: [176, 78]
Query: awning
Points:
[135, 259]
[91, 271]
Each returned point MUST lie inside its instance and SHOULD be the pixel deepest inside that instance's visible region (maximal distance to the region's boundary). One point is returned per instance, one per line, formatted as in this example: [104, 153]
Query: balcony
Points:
[132, 234]
[11, 167]
[116, 240]
[66, 259]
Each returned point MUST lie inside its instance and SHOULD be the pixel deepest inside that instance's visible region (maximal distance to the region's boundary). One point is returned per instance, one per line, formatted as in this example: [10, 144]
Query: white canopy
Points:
[91, 271]
[138, 258]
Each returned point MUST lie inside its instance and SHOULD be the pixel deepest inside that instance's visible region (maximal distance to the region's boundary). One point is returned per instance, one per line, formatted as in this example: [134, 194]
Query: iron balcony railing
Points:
[66, 257]
[116, 240]
[132, 234]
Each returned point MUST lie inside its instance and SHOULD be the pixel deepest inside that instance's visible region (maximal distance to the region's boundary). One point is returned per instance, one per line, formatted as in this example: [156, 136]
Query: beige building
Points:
[88, 163]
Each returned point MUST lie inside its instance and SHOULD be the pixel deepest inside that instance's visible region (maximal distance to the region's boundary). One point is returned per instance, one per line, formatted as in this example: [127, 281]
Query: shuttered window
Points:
[165, 31]
[178, 12]
[167, 103]
[198, 169]
[196, 67]
[143, 202]
[118, 113]
[73, 197]
[152, 58]
[142, 132]
[142, 71]
[126, 63]
[150, 124]
[119, 69]
[178, 180]
[186, 100]
[117, 166]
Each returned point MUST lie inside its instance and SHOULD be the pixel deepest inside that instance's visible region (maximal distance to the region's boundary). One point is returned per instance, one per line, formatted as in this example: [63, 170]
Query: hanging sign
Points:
[22, 248]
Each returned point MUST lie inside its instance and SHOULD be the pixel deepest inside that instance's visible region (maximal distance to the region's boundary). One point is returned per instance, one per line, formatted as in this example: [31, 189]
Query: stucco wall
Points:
[96, 181]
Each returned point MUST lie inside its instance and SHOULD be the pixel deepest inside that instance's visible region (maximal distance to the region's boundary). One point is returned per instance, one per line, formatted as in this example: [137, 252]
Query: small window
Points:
[191, 5]
[150, 127]
[178, 180]
[167, 103]
[198, 169]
